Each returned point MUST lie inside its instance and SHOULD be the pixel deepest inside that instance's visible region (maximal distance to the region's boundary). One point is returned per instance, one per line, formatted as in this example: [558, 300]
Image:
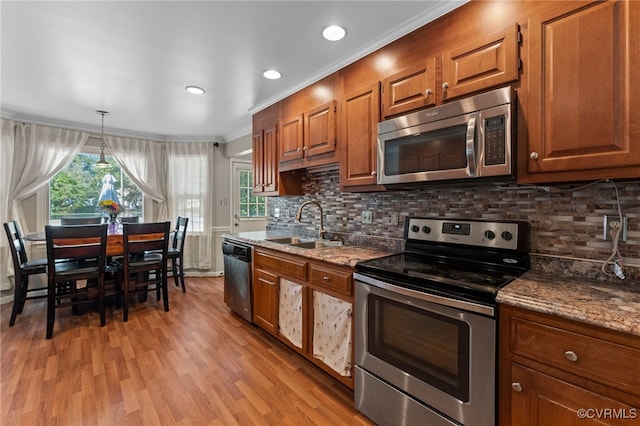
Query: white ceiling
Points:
[61, 61]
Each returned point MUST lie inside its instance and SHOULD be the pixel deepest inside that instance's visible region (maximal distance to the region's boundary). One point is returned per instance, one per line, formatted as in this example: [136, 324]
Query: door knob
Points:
[533, 155]
[516, 386]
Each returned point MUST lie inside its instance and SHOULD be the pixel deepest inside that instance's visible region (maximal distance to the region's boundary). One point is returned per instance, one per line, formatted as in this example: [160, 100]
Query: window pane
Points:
[74, 191]
[250, 205]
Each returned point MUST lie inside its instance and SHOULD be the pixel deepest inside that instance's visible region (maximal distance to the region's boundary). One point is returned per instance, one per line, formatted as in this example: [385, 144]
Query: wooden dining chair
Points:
[23, 268]
[80, 221]
[84, 248]
[129, 219]
[176, 251]
[143, 266]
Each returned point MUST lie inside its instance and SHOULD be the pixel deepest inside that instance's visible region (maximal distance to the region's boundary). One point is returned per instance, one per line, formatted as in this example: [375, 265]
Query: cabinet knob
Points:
[298, 149]
[374, 173]
[534, 155]
[428, 92]
[326, 278]
[445, 85]
[571, 356]
[516, 386]
[304, 148]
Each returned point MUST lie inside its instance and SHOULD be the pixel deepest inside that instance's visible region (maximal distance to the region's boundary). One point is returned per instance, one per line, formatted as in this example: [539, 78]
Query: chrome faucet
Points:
[299, 214]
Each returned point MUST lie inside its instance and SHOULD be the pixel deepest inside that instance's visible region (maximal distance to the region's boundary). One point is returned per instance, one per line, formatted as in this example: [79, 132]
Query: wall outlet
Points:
[613, 222]
[394, 218]
[367, 216]
[276, 212]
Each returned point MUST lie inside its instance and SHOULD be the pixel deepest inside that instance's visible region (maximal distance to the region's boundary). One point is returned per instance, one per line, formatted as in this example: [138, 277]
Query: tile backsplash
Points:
[566, 222]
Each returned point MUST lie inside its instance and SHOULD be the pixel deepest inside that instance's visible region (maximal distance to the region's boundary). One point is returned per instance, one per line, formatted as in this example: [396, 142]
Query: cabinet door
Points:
[410, 89]
[541, 400]
[360, 117]
[270, 159]
[265, 300]
[291, 138]
[584, 104]
[258, 161]
[487, 62]
[290, 310]
[332, 320]
[320, 130]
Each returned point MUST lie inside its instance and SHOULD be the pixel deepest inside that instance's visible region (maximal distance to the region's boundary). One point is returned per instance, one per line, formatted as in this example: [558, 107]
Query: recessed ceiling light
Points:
[334, 33]
[195, 90]
[272, 74]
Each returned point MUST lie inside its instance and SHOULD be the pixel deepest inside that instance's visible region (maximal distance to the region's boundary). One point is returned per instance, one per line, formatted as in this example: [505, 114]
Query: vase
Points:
[112, 227]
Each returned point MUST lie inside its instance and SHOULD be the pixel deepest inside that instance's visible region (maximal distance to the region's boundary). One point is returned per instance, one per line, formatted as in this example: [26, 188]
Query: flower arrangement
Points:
[110, 207]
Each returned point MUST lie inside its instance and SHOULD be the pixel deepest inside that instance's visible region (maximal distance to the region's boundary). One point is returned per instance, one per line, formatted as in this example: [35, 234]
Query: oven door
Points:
[442, 356]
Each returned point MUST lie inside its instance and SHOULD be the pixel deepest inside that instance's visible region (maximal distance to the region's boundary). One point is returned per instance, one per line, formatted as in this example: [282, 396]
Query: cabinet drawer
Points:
[600, 360]
[331, 279]
[291, 267]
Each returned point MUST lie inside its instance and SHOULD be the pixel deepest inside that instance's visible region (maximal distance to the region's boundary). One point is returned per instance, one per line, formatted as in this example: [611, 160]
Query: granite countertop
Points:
[609, 304]
[345, 255]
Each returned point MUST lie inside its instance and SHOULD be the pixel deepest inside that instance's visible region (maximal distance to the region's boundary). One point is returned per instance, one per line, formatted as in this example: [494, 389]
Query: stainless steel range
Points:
[425, 338]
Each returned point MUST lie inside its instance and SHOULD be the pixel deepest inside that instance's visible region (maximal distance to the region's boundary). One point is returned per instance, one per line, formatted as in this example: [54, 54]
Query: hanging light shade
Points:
[102, 162]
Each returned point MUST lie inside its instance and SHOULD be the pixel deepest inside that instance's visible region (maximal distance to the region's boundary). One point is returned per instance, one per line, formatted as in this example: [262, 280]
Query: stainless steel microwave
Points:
[466, 139]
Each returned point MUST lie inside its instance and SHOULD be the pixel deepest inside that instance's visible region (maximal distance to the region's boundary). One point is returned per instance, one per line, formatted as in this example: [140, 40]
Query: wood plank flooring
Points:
[197, 364]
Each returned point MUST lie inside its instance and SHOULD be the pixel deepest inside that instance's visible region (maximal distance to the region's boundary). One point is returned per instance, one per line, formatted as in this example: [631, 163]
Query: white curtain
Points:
[189, 166]
[144, 161]
[31, 154]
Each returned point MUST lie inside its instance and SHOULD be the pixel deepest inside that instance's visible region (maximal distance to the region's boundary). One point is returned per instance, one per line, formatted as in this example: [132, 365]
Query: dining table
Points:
[115, 245]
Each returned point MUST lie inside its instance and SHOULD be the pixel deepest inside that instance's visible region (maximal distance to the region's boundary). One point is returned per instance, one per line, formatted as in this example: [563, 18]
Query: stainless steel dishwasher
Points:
[237, 278]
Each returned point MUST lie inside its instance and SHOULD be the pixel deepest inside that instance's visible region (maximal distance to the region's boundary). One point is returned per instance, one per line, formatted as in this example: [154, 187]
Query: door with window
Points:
[248, 212]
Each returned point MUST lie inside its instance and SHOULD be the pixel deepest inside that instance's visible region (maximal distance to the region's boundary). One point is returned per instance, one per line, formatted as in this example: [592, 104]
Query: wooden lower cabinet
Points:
[560, 372]
[307, 305]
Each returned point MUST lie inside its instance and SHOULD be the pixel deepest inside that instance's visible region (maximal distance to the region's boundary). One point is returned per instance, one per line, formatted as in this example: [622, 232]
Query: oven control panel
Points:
[502, 235]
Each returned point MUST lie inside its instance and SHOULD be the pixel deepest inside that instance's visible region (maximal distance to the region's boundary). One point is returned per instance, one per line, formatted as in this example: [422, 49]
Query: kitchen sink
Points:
[305, 243]
[290, 240]
[317, 244]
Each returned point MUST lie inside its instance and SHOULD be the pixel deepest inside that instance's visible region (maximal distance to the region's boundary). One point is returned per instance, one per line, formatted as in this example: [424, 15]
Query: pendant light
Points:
[102, 162]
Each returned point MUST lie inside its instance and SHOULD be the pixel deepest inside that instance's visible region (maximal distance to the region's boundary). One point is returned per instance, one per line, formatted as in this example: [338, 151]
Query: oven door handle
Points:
[428, 297]
[471, 145]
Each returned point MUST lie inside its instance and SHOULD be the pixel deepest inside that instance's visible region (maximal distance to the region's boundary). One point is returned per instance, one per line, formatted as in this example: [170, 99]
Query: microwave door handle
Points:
[471, 137]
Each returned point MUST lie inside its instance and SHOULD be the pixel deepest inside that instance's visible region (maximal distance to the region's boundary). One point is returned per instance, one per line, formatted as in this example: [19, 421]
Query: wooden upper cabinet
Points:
[360, 116]
[489, 61]
[584, 108]
[410, 89]
[320, 130]
[291, 138]
[308, 134]
[267, 180]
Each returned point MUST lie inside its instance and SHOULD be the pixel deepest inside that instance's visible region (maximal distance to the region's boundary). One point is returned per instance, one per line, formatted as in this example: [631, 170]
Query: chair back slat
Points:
[180, 233]
[80, 221]
[16, 243]
[141, 237]
[77, 242]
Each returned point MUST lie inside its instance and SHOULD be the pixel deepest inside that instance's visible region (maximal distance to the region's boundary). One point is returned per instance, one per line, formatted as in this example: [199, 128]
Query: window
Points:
[74, 191]
[250, 205]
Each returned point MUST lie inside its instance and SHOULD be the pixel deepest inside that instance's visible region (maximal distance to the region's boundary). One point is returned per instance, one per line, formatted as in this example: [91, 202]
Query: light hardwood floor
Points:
[197, 364]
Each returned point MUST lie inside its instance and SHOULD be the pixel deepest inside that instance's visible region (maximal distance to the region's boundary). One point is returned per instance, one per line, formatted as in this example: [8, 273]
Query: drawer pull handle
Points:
[326, 278]
[516, 386]
[571, 356]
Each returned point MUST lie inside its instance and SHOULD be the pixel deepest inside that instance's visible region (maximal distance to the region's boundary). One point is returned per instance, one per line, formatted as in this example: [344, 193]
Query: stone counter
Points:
[347, 255]
[609, 304]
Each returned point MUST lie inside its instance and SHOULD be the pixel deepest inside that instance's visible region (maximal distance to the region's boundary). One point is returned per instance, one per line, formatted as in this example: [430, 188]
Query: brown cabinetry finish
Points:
[488, 61]
[360, 117]
[410, 89]
[584, 108]
[550, 368]
[265, 300]
[269, 268]
[266, 177]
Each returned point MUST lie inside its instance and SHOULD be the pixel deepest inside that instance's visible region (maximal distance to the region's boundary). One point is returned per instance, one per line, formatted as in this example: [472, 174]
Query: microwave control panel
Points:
[494, 141]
